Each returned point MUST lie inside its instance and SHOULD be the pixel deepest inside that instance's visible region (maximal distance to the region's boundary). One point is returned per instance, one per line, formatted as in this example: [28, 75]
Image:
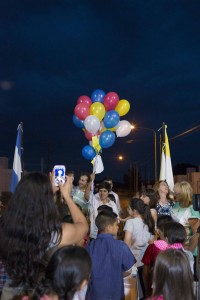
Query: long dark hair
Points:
[66, 271]
[29, 225]
[172, 276]
[153, 196]
[144, 211]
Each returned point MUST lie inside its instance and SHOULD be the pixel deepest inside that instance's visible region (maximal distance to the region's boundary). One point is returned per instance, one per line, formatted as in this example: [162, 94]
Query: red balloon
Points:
[89, 135]
[111, 100]
[82, 110]
[84, 99]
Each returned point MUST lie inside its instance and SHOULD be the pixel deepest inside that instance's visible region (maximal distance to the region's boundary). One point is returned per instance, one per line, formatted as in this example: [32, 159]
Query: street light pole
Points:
[155, 148]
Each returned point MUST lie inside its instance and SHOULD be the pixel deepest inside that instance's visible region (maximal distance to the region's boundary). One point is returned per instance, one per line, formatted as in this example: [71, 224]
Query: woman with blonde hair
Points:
[184, 212]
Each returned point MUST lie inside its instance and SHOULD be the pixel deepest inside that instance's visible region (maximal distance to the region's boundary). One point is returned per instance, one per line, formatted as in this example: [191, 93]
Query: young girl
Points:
[138, 232]
[150, 197]
[172, 277]
[172, 235]
[66, 275]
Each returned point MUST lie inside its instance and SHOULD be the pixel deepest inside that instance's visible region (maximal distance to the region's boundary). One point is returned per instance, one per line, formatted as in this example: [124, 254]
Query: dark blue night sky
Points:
[54, 51]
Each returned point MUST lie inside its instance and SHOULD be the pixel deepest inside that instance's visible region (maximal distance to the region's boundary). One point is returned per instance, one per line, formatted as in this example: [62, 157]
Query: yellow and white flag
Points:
[166, 172]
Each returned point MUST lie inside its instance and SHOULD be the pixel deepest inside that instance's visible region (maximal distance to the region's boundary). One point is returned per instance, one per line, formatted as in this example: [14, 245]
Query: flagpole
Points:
[22, 148]
[163, 136]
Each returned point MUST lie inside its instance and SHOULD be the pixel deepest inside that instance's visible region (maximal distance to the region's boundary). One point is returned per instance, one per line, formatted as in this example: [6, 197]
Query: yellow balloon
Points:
[111, 129]
[97, 109]
[122, 107]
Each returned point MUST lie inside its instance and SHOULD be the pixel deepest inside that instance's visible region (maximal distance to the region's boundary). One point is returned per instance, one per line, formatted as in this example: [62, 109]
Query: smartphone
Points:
[59, 171]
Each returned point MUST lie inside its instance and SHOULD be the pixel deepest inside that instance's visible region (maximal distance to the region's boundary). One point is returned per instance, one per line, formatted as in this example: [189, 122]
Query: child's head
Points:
[174, 232]
[149, 196]
[104, 208]
[161, 221]
[68, 271]
[172, 276]
[138, 207]
[107, 222]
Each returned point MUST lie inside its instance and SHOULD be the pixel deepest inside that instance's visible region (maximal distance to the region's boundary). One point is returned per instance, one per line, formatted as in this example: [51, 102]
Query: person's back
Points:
[110, 259]
[31, 230]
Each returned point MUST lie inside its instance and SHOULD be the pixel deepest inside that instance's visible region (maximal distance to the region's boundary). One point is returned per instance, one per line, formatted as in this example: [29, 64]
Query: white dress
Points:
[140, 238]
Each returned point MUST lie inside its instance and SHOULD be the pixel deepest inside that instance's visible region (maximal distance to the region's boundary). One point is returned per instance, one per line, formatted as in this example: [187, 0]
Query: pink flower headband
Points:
[163, 245]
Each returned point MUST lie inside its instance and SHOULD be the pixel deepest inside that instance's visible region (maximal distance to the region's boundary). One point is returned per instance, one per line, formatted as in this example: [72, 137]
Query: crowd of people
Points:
[61, 242]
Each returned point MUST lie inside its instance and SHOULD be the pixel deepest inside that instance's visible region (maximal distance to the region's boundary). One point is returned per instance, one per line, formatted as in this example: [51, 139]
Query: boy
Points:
[110, 259]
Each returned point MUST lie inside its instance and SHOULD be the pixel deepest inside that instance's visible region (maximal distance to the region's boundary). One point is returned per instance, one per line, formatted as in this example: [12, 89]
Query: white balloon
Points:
[92, 124]
[123, 128]
[101, 125]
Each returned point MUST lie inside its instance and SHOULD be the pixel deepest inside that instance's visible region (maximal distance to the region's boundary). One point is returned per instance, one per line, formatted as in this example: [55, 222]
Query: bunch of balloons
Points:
[99, 116]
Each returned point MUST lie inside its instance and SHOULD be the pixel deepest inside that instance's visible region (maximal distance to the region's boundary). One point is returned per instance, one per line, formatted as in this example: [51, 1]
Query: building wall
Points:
[4, 162]
[178, 178]
[5, 179]
[194, 180]
[5, 175]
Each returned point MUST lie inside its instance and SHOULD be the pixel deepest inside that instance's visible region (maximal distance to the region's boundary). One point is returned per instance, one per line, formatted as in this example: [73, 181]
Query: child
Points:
[68, 272]
[172, 277]
[110, 259]
[138, 232]
[172, 235]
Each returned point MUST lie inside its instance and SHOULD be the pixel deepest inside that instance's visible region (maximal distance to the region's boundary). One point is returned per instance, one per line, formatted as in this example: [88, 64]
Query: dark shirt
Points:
[110, 258]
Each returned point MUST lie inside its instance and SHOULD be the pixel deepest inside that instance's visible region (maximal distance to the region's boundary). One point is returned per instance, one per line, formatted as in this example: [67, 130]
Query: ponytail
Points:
[148, 220]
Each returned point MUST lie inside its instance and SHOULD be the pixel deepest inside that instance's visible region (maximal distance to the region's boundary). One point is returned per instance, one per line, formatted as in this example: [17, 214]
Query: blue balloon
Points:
[98, 96]
[107, 139]
[111, 119]
[77, 122]
[88, 152]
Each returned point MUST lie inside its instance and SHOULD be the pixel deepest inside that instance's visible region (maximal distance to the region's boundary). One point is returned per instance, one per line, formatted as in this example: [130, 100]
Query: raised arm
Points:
[88, 189]
[72, 233]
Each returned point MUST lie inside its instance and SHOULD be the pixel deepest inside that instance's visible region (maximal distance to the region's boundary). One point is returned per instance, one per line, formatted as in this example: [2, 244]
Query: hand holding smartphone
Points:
[59, 172]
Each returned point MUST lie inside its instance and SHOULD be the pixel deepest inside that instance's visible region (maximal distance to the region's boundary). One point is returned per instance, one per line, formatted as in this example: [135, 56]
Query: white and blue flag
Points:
[17, 165]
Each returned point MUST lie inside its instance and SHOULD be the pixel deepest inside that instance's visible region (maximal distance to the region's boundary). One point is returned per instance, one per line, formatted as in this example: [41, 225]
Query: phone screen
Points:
[59, 171]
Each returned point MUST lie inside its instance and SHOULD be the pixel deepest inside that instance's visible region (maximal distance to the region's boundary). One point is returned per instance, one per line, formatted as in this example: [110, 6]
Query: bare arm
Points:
[193, 242]
[154, 215]
[124, 220]
[194, 223]
[127, 273]
[88, 189]
[72, 233]
[128, 238]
